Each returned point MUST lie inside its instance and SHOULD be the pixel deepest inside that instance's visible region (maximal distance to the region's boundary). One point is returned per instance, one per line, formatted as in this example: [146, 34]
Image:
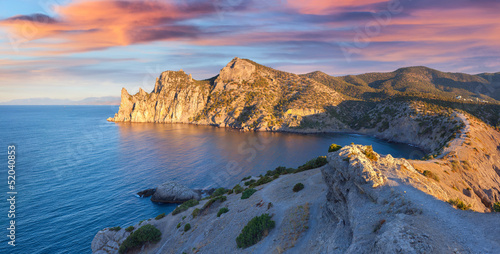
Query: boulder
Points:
[146, 193]
[173, 192]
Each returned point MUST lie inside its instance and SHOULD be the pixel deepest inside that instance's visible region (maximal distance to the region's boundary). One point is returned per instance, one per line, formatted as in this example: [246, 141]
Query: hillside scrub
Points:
[256, 229]
[222, 211]
[458, 203]
[298, 187]
[247, 193]
[145, 234]
[334, 148]
[184, 206]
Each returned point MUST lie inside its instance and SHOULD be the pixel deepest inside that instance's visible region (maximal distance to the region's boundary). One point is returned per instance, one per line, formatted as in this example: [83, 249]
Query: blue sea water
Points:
[76, 173]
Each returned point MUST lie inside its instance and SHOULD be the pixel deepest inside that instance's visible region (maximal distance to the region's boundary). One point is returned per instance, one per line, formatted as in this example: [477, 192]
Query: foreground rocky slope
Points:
[360, 202]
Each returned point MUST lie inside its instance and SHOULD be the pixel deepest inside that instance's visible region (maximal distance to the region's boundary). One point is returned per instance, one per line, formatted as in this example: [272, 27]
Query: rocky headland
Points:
[358, 201]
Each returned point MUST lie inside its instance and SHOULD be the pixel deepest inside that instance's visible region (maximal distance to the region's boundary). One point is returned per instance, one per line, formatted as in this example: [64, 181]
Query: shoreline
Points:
[306, 132]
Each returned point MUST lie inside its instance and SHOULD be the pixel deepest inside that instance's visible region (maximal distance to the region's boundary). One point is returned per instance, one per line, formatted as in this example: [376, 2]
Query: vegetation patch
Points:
[160, 216]
[256, 229]
[262, 180]
[429, 174]
[247, 193]
[298, 187]
[145, 234]
[370, 154]
[213, 200]
[334, 148]
[249, 182]
[184, 206]
[246, 178]
[130, 229]
[238, 189]
[496, 207]
[312, 164]
[459, 204]
[196, 212]
[222, 210]
[219, 192]
[187, 227]
[115, 228]
[179, 225]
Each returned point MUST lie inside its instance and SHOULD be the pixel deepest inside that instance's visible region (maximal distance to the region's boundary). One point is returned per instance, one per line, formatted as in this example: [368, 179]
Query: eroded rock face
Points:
[173, 192]
[245, 95]
[237, 70]
[175, 98]
[108, 241]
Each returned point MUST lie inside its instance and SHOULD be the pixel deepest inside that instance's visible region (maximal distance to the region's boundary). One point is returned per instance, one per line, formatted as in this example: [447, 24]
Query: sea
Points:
[75, 173]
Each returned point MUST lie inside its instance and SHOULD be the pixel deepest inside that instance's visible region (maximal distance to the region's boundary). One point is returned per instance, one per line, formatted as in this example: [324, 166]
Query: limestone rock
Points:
[146, 193]
[173, 192]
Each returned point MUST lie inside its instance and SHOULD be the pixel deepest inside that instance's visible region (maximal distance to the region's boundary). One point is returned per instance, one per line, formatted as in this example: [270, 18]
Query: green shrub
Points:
[496, 207]
[334, 148]
[222, 210]
[255, 230]
[230, 191]
[160, 216]
[247, 193]
[238, 189]
[279, 171]
[115, 228]
[246, 178]
[370, 154]
[187, 227]
[298, 187]
[184, 206]
[196, 212]
[312, 164]
[219, 192]
[145, 234]
[429, 174]
[249, 182]
[179, 225]
[459, 204]
[211, 201]
[262, 180]
[130, 229]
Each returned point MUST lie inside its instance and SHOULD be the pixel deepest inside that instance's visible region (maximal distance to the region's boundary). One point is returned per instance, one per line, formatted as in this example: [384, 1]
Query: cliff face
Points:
[175, 98]
[244, 95]
[248, 96]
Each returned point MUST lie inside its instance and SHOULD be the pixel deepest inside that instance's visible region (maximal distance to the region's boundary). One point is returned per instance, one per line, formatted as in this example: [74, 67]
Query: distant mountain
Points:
[107, 100]
[415, 82]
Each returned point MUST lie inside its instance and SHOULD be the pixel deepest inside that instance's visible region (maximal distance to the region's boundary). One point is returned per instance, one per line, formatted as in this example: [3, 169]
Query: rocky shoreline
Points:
[360, 202]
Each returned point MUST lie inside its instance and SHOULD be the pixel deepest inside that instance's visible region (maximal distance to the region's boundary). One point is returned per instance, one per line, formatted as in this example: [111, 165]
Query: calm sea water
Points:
[78, 173]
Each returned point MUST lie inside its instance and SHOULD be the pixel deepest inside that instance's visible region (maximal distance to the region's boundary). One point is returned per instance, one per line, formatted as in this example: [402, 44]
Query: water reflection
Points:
[202, 156]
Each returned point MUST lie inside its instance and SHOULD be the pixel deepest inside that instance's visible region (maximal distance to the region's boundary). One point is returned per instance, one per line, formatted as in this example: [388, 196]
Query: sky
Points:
[73, 49]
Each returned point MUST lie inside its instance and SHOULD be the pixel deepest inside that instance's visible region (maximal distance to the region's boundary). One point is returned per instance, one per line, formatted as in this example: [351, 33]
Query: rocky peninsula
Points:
[357, 201]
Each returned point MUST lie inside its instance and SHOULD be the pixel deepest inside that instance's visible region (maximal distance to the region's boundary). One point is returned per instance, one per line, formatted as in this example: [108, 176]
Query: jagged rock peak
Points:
[237, 70]
[171, 77]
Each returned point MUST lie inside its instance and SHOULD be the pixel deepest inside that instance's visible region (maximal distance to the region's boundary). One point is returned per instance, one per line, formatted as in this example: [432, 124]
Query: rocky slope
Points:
[249, 96]
[360, 202]
[244, 95]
